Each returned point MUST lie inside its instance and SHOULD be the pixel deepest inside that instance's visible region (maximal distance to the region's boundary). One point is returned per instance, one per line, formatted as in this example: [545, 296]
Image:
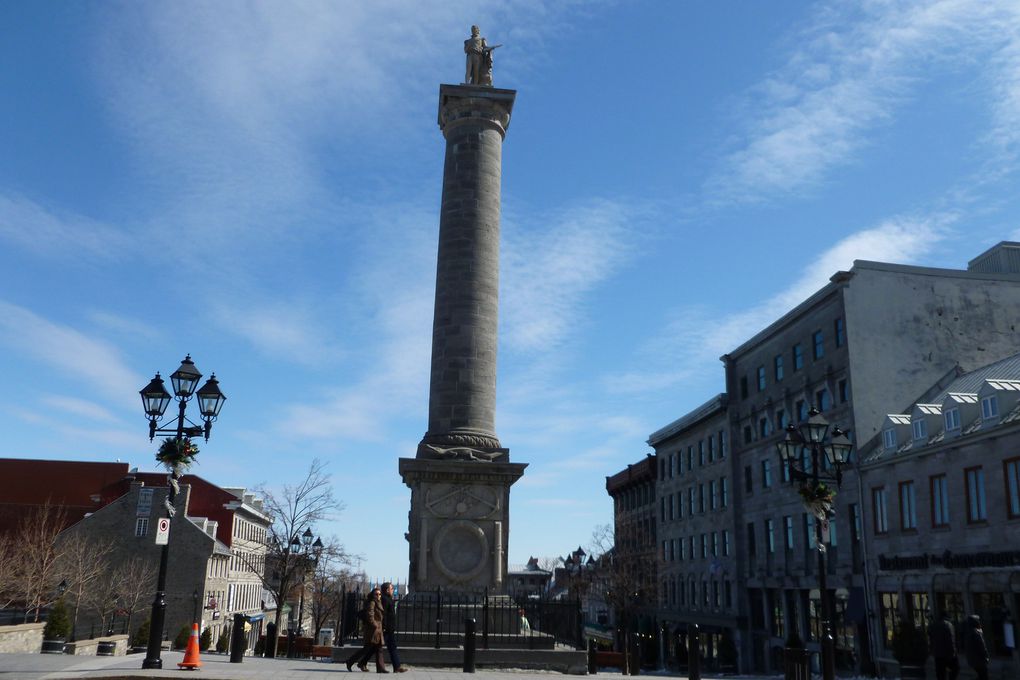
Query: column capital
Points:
[460, 104]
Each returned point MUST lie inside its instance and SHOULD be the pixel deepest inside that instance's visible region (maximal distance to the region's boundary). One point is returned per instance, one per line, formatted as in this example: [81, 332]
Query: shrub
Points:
[58, 622]
[181, 641]
[223, 644]
[141, 636]
[205, 640]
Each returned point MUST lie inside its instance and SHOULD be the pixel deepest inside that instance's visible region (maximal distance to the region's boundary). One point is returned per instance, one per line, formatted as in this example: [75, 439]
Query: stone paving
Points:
[218, 667]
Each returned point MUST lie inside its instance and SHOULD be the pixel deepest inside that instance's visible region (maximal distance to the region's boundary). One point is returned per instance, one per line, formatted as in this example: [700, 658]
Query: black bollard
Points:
[237, 645]
[592, 666]
[469, 645]
[693, 652]
[270, 640]
[291, 646]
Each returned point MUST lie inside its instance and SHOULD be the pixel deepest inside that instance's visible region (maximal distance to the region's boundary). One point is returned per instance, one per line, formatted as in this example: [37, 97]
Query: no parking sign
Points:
[163, 531]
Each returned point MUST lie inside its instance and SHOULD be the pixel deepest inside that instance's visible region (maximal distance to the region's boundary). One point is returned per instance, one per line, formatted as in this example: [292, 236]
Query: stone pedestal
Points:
[460, 477]
[459, 523]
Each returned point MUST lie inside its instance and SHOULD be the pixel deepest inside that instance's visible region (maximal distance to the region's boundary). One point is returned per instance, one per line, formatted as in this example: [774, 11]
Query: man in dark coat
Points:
[942, 643]
[388, 626]
[975, 648]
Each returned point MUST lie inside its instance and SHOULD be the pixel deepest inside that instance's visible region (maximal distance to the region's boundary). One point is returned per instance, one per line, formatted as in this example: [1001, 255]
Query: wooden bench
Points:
[321, 652]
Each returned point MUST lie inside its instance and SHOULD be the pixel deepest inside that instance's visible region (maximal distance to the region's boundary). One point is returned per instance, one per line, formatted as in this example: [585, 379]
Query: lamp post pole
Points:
[834, 448]
[155, 399]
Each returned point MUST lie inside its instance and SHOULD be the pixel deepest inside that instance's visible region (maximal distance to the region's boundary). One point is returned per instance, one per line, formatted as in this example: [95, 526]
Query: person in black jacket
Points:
[942, 643]
[975, 648]
[388, 626]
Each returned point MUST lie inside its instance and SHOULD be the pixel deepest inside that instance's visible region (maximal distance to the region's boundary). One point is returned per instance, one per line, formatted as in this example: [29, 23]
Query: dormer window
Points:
[990, 407]
[920, 429]
[952, 418]
[890, 438]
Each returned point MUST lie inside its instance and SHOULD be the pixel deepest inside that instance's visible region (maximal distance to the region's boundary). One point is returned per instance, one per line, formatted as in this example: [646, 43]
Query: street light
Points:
[155, 400]
[818, 498]
[311, 551]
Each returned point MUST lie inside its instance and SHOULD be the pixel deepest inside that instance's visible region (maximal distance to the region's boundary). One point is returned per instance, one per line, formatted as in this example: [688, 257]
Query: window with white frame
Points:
[920, 427]
[141, 526]
[952, 418]
[890, 438]
[908, 506]
[990, 407]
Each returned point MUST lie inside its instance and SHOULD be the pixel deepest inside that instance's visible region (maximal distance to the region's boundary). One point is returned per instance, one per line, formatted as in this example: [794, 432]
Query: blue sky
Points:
[258, 184]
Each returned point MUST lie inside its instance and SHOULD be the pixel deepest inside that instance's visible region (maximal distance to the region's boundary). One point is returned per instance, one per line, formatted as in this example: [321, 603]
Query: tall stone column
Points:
[460, 477]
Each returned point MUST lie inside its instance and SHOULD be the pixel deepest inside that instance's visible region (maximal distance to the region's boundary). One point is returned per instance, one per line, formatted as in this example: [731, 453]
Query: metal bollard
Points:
[237, 644]
[291, 647]
[693, 652]
[469, 645]
[592, 666]
[270, 640]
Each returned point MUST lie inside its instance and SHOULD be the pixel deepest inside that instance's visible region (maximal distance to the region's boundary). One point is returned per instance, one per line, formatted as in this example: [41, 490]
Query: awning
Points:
[256, 617]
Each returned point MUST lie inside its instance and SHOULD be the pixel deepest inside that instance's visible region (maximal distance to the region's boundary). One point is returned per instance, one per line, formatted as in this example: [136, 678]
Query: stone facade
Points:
[876, 336]
[698, 570]
[460, 479]
[943, 505]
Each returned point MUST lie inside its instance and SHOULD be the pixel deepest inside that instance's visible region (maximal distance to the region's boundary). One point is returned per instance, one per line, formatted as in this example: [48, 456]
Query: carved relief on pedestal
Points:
[460, 550]
[449, 501]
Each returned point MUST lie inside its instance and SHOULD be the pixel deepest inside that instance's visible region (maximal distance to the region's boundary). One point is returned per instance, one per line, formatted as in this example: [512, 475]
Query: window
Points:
[728, 594]
[817, 345]
[701, 498]
[724, 492]
[1011, 470]
[141, 526]
[890, 438]
[990, 407]
[889, 604]
[802, 410]
[752, 547]
[680, 504]
[763, 427]
[920, 427]
[766, 473]
[844, 392]
[747, 434]
[770, 536]
[952, 417]
[722, 443]
[788, 532]
[798, 357]
[839, 333]
[761, 378]
[701, 453]
[715, 544]
[777, 367]
[726, 543]
[976, 509]
[908, 507]
[786, 471]
[683, 550]
[939, 501]
[704, 546]
[748, 480]
[713, 497]
[662, 509]
[781, 420]
[743, 387]
[878, 504]
[144, 507]
[711, 448]
[690, 502]
[672, 510]
[690, 458]
[823, 400]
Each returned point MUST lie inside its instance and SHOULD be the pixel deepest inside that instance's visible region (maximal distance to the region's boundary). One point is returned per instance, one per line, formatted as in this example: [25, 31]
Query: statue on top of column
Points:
[479, 59]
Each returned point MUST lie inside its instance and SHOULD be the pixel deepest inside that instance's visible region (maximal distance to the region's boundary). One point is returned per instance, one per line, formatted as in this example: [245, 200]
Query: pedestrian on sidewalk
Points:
[942, 643]
[975, 647]
[371, 623]
[389, 627]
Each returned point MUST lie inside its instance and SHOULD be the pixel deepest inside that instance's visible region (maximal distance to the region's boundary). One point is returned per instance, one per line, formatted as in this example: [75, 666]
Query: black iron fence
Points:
[436, 619]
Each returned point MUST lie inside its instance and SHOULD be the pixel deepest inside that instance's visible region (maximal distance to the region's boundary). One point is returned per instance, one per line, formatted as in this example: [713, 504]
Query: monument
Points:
[460, 477]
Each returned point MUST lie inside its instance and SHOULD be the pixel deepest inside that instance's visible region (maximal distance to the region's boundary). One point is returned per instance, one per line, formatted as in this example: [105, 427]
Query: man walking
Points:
[977, 650]
[942, 643]
[389, 623]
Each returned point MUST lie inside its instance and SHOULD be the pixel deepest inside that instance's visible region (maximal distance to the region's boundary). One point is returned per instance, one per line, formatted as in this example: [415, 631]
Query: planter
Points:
[106, 648]
[53, 646]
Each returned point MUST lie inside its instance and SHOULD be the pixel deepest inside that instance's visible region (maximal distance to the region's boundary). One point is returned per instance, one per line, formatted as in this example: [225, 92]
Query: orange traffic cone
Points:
[191, 661]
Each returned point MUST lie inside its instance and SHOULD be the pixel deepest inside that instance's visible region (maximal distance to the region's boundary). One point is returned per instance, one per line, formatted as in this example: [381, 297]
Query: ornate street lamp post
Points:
[815, 439]
[176, 454]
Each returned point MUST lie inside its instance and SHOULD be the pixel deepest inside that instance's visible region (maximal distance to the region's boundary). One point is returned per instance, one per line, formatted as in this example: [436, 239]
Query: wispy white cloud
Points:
[853, 67]
[65, 348]
[34, 228]
[289, 331]
[548, 272]
[79, 407]
[691, 343]
[123, 326]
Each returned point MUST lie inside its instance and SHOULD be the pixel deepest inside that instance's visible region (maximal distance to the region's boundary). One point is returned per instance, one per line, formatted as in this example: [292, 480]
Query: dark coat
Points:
[942, 639]
[977, 651]
[389, 613]
[372, 621]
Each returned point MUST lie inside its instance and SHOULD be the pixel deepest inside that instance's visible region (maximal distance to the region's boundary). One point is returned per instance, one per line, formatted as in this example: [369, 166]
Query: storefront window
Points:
[991, 607]
[920, 611]
[778, 620]
[890, 613]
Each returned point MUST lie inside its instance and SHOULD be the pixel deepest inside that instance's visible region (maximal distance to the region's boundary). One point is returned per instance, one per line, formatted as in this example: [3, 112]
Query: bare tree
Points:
[83, 565]
[329, 582]
[622, 574]
[36, 556]
[136, 581]
[9, 567]
[295, 509]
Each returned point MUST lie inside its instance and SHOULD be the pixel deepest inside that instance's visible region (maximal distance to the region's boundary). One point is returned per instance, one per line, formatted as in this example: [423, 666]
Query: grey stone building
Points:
[877, 335]
[941, 484]
[528, 580]
[697, 557]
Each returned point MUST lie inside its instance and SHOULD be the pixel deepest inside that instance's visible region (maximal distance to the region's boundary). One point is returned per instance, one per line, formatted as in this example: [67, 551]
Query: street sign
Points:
[163, 531]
